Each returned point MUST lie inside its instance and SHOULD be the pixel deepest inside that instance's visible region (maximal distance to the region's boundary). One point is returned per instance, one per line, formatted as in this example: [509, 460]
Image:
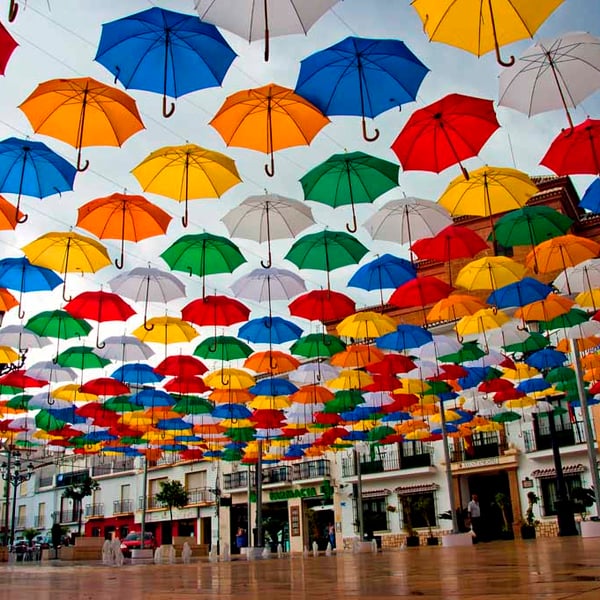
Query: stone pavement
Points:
[556, 568]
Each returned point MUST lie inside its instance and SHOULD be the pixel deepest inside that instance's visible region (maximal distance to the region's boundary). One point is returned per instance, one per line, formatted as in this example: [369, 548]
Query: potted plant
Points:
[503, 503]
[582, 499]
[412, 539]
[423, 505]
[528, 525]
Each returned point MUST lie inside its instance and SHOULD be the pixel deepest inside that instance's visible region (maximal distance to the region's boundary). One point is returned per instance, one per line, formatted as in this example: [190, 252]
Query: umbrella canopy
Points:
[125, 348]
[546, 309]
[326, 250]
[575, 150]
[561, 252]
[179, 364]
[365, 325]
[271, 361]
[317, 345]
[166, 330]
[203, 254]
[582, 277]
[268, 119]
[7, 44]
[185, 173]
[267, 284]
[9, 216]
[591, 198]
[362, 77]
[257, 21]
[270, 330]
[349, 178]
[215, 310]
[480, 27]
[123, 217]
[137, 374]
[268, 217]
[223, 348]
[420, 292]
[552, 74]
[445, 133]
[322, 305]
[166, 52]
[58, 324]
[490, 273]
[519, 293]
[403, 338]
[32, 169]
[82, 112]
[454, 307]
[67, 252]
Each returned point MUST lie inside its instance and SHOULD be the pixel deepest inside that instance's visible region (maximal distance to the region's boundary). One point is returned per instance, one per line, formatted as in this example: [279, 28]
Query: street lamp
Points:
[14, 474]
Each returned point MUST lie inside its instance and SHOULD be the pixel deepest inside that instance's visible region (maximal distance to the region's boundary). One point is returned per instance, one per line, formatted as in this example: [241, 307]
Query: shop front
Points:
[107, 528]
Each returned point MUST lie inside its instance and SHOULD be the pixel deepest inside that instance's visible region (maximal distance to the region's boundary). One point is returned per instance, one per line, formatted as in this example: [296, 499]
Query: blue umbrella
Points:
[175, 424]
[122, 450]
[475, 376]
[19, 274]
[152, 398]
[385, 272]
[93, 437]
[67, 414]
[270, 330]
[591, 197]
[137, 374]
[273, 386]
[548, 358]
[166, 52]
[31, 169]
[535, 384]
[405, 336]
[231, 411]
[398, 415]
[520, 293]
[362, 77]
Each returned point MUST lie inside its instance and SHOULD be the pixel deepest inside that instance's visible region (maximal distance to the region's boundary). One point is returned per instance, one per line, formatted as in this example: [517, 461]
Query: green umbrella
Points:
[506, 416]
[81, 357]
[437, 387]
[535, 341]
[568, 387]
[58, 324]
[241, 434]
[317, 345]
[469, 351]
[574, 317]
[19, 402]
[203, 254]
[379, 433]
[48, 422]
[560, 375]
[344, 401]
[121, 404]
[326, 251]
[231, 455]
[223, 347]
[192, 405]
[530, 225]
[350, 178]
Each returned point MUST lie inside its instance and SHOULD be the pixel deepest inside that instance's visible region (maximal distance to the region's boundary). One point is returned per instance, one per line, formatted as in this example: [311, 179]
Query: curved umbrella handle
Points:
[505, 63]
[21, 312]
[167, 112]
[21, 219]
[64, 291]
[266, 265]
[511, 61]
[366, 136]
[270, 168]
[117, 73]
[212, 347]
[148, 327]
[352, 228]
[13, 9]
[79, 166]
[184, 219]
[223, 380]
[121, 260]
[49, 399]
[272, 363]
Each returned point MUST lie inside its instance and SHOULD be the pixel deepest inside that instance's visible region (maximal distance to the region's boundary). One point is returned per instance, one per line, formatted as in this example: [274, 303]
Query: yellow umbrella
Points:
[480, 322]
[236, 423]
[490, 273]
[519, 403]
[412, 386]
[8, 355]
[165, 330]
[366, 325]
[269, 402]
[70, 392]
[419, 434]
[545, 310]
[491, 426]
[450, 415]
[590, 299]
[454, 307]
[234, 379]
[481, 26]
[187, 172]
[350, 379]
[67, 252]
[522, 371]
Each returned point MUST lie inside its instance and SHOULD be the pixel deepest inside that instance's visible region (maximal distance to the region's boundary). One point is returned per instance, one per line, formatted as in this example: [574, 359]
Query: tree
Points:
[77, 492]
[172, 494]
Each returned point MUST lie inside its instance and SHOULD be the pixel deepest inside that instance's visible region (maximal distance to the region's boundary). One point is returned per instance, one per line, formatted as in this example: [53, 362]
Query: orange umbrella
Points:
[7, 300]
[312, 394]
[357, 356]
[455, 307]
[230, 396]
[82, 112]
[9, 215]
[561, 252]
[267, 119]
[122, 217]
[271, 361]
[545, 310]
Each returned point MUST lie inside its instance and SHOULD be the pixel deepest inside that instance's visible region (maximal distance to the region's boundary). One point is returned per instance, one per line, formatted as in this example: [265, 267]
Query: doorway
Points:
[493, 490]
[319, 517]
[276, 528]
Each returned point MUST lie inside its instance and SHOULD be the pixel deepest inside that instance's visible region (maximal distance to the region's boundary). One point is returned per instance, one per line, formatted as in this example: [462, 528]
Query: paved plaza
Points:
[558, 568]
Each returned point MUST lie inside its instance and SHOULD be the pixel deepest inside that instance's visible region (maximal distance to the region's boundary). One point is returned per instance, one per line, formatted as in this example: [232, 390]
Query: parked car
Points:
[42, 541]
[133, 542]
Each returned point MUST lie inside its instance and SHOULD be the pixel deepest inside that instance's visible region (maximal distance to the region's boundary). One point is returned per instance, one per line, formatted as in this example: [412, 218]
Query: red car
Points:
[133, 542]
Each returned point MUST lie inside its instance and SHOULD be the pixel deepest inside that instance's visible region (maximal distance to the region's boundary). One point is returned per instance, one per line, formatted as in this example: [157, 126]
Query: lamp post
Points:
[14, 474]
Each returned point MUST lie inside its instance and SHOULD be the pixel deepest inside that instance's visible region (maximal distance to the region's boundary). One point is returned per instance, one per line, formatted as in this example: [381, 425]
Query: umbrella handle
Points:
[366, 136]
[266, 265]
[505, 63]
[223, 380]
[212, 347]
[21, 219]
[81, 167]
[13, 9]
[64, 290]
[119, 261]
[511, 61]
[148, 327]
[21, 312]
[167, 112]
[117, 73]
[272, 363]
[352, 228]
[184, 218]
[465, 173]
[270, 168]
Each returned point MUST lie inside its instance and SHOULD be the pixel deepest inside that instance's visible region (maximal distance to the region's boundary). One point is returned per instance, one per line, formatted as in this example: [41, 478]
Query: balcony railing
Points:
[277, 475]
[39, 521]
[94, 510]
[69, 516]
[313, 469]
[151, 503]
[122, 506]
[200, 496]
[113, 467]
[567, 434]
[406, 458]
[234, 481]
[488, 448]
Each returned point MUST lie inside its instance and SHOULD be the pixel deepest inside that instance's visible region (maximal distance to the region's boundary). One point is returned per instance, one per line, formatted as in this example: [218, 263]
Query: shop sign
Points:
[325, 490]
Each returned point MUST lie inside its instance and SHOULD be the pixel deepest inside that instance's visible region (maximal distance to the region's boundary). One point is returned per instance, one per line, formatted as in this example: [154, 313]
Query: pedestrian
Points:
[331, 535]
[474, 512]
[241, 539]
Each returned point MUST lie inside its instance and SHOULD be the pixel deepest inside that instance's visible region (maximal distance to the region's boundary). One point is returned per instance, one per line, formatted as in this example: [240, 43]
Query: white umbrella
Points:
[45, 400]
[583, 277]
[506, 335]
[440, 345]
[16, 336]
[268, 217]
[313, 373]
[255, 20]
[50, 371]
[406, 220]
[553, 74]
[265, 285]
[125, 348]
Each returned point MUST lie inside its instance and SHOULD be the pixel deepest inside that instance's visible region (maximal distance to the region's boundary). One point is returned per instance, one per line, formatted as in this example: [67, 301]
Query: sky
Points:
[58, 39]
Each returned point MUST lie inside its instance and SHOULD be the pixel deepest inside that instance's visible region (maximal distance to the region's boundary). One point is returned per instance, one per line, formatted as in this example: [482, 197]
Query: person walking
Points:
[474, 511]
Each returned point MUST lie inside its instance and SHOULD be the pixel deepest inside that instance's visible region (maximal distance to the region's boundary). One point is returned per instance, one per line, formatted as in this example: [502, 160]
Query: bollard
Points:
[279, 551]
[315, 549]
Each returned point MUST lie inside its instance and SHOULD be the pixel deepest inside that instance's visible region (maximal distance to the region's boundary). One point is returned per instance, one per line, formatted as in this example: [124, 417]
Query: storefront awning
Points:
[376, 493]
[417, 489]
[551, 472]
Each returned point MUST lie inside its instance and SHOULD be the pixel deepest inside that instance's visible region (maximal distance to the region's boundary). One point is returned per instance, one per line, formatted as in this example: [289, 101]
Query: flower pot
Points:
[590, 529]
[432, 541]
[527, 532]
[412, 541]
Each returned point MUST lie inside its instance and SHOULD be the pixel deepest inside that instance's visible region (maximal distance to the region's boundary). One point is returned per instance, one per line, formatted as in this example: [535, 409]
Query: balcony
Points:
[277, 475]
[200, 496]
[39, 521]
[409, 456]
[313, 469]
[122, 506]
[68, 516]
[113, 467]
[540, 438]
[94, 510]
[151, 503]
[235, 481]
[483, 445]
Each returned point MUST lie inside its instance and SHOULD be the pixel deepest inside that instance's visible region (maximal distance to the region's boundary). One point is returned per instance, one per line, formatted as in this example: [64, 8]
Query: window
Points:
[125, 491]
[22, 516]
[548, 488]
[419, 510]
[374, 514]
[195, 480]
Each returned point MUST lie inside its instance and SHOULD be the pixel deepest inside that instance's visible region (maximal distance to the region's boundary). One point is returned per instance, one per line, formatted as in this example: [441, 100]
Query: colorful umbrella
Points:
[186, 173]
[82, 112]
[67, 252]
[268, 119]
[80, 357]
[583, 277]
[365, 325]
[9, 216]
[268, 217]
[490, 273]
[349, 178]
[267, 284]
[317, 345]
[255, 21]
[137, 374]
[203, 254]
[125, 348]
[480, 27]
[362, 77]
[270, 330]
[180, 364]
[403, 338]
[322, 305]
[7, 43]
[420, 292]
[557, 73]
[223, 348]
[519, 293]
[162, 51]
[215, 310]
[166, 330]
[454, 307]
[123, 217]
[326, 250]
[591, 198]
[32, 169]
[445, 133]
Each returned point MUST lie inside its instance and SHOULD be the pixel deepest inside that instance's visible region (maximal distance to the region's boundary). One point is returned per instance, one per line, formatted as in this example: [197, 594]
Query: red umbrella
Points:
[322, 305]
[266, 418]
[504, 395]
[186, 384]
[99, 413]
[445, 133]
[7, 47]
[99, 306]
[179, 365]
[215, 310]
[495, 385]
[20, 379]
[104, 386]
[382, 383]
[447, 372]
[420, 292]
[392, 364]
[575, 151]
